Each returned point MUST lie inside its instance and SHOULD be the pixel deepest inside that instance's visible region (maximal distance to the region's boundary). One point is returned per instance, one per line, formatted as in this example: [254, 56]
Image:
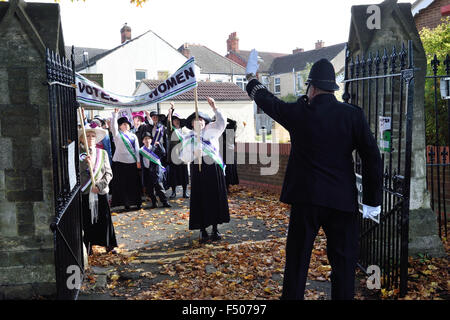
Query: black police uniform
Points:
[320, 180]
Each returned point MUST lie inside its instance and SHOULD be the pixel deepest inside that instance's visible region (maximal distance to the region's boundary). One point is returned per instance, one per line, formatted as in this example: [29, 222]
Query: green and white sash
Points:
[150, 155]
[179, 134]
[100, 159]
[129, 144]
[207, 148]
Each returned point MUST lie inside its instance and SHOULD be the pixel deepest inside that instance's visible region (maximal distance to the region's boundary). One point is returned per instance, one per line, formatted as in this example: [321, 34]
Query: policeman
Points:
[320, 182]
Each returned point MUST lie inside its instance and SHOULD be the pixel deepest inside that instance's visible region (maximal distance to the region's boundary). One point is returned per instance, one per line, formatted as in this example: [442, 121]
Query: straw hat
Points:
[100, 133]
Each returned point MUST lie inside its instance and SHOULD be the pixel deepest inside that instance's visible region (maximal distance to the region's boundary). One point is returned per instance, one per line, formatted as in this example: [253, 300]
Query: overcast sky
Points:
[267, 25]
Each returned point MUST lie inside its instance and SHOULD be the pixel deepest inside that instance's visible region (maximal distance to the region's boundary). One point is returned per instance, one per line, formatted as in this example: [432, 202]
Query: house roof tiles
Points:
[298, 61]
[211, 62]
[220, 91]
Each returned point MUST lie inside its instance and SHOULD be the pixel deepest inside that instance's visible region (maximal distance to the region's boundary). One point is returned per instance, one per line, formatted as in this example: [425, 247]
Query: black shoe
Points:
[216, 236]
[166, 205]
[139, 207]
[154, 205]
[173, 195]
[185, 195]
[204, 237]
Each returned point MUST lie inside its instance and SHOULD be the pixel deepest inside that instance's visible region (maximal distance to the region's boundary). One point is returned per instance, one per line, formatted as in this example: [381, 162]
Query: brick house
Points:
[241, 57]
[428, 13]
[146, 56]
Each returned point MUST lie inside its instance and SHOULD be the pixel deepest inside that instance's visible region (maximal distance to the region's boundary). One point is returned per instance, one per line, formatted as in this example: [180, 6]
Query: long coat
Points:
[101, 232]
[324, 133]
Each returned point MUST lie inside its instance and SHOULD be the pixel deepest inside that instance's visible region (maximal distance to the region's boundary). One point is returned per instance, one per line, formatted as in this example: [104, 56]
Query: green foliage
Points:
[289, 98]
[436, 42]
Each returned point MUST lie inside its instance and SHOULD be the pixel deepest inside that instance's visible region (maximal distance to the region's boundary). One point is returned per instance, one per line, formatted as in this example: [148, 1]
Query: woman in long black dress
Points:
[209, 201]
[228, 155]
[178, 171]
[127, 184]
[97, 223]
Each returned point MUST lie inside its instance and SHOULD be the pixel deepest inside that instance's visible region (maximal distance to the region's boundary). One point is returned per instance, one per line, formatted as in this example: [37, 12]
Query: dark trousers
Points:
[342, 231]
[156, 189]
[153, 185]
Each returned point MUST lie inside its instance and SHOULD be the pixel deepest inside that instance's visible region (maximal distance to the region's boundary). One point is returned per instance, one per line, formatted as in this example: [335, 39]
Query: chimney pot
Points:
[185, 51]
[232, 42]
[125, 33]
[320, 44]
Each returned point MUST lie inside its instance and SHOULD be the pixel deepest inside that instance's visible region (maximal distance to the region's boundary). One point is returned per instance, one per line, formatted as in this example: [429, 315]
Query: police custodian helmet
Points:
[322, 76]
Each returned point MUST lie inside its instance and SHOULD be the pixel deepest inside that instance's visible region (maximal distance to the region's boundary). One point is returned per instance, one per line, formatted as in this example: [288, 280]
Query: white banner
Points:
[92, 94]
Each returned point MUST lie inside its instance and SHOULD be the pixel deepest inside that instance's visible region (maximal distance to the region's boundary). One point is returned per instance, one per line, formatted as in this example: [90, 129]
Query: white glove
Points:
[371, 213]
[252, 63]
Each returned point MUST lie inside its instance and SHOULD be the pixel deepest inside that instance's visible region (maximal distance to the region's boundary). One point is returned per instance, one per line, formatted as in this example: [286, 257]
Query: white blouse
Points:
[211, 132]
[122, 154]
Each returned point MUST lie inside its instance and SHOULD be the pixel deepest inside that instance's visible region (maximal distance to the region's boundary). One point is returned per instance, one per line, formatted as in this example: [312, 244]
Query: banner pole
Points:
[86, 147]
[198, 128]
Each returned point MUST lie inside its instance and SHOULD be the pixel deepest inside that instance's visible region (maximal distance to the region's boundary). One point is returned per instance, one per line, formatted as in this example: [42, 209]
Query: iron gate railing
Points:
[438, 140]
[67, 226]
[383, 86]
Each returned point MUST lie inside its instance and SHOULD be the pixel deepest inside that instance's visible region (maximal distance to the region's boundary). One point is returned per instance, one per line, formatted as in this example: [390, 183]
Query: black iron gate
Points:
[382, 84]
[437, 122]
[67, 226]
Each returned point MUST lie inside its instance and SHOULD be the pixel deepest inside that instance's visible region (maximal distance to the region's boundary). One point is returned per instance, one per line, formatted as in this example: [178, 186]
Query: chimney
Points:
[232, 42]
[297, 50]
[125, 33]
[185, 51]
[320, 44]
[85, 58]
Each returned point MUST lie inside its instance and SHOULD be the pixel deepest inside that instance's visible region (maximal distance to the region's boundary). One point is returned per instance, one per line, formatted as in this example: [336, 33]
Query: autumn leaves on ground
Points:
[159, 258]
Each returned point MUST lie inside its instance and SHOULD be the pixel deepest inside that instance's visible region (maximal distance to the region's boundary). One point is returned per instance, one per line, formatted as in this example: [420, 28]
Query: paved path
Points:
[156, 238]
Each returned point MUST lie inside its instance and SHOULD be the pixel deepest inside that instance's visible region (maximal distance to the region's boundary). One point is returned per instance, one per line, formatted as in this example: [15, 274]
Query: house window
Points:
[241, 82]
[140, 75]
[163, 75]
[277, 87]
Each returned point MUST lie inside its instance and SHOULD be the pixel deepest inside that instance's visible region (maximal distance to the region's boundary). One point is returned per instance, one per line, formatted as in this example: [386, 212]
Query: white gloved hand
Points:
[371, 213]
[252, 63]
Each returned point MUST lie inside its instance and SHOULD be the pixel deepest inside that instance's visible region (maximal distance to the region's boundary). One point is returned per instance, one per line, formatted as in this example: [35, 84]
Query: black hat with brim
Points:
[202, 115]
[147, 134]
[123, 120]
[322, 76]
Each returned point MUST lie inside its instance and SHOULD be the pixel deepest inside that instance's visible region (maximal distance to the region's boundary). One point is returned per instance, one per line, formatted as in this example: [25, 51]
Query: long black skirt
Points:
[231, 175]
[127, 186]
[178, 175]
[100, 233]
[209, 200]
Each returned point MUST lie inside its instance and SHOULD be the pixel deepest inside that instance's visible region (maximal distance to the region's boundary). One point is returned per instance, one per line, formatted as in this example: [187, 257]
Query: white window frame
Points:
[135, 76]
[275, 85]
[241, 82]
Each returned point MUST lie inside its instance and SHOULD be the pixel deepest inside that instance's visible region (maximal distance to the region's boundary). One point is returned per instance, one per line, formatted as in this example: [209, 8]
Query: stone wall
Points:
[27, 266]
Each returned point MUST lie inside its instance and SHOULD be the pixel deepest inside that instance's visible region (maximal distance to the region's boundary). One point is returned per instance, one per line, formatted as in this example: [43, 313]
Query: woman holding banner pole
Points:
[97, 223]
[127, 184]
[208, 201]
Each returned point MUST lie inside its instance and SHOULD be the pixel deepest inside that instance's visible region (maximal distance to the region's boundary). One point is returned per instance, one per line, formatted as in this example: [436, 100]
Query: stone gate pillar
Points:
[396, 25]
[26, 189]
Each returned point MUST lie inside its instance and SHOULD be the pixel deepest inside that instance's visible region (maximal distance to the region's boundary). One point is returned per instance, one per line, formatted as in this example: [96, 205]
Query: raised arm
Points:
[113, 125]
[275, 108]
[218, 126]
